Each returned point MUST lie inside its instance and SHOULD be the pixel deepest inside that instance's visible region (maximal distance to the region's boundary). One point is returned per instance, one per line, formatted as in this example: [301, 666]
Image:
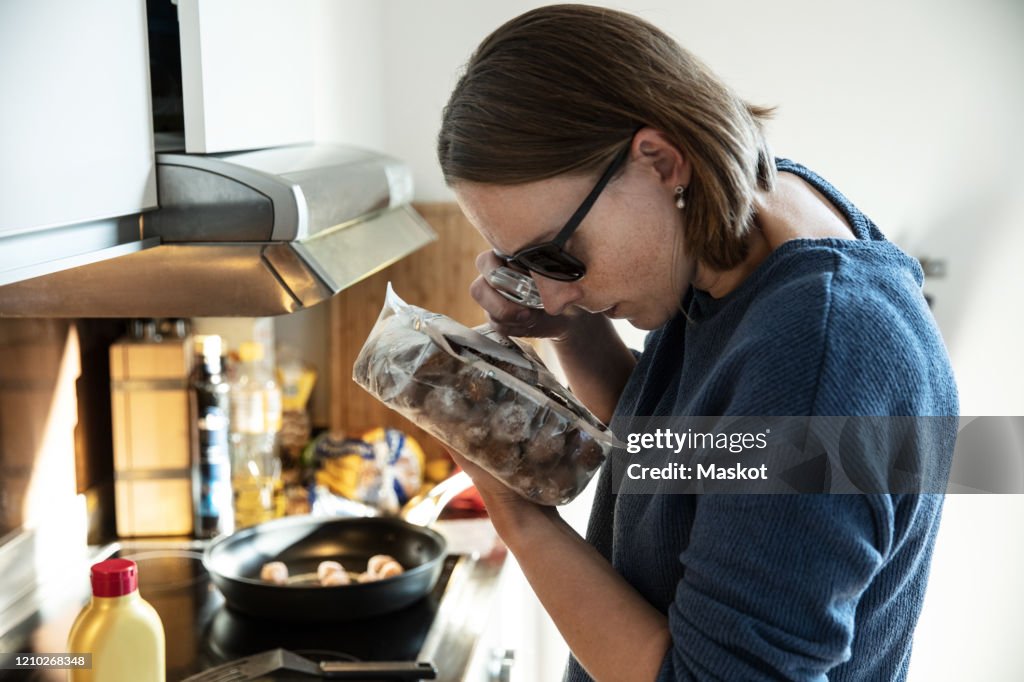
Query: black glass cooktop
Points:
[201, 632]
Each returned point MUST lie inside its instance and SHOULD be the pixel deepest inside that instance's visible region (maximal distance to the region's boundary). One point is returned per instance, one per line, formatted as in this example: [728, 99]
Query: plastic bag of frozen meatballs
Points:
[486, 397]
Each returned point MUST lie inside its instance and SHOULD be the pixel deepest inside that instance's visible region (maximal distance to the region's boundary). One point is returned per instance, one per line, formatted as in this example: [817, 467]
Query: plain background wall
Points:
[911, 109]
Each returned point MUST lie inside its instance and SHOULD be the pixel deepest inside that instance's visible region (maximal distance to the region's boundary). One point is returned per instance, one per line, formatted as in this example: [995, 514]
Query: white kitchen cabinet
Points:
[247, 73]
[75, 125]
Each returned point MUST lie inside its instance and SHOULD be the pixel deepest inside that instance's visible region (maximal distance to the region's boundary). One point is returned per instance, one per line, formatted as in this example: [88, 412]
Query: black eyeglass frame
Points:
[554, 251]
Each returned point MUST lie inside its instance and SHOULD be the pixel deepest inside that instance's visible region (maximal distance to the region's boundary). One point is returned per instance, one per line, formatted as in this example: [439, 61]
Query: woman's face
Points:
[630, 240]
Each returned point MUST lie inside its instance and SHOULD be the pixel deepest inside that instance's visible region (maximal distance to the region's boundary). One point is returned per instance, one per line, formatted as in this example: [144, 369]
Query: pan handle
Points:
[382, 670]
[424, 511]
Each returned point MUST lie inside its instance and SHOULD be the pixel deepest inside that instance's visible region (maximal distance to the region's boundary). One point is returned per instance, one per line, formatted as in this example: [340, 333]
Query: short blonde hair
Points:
[559, 89]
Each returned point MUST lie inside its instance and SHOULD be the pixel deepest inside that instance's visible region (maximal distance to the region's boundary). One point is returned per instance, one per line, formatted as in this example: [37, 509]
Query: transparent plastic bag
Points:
[486, 397]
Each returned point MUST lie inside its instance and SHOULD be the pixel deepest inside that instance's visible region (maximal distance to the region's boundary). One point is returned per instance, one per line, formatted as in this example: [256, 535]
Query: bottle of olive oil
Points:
[256, 476]
[119, 628]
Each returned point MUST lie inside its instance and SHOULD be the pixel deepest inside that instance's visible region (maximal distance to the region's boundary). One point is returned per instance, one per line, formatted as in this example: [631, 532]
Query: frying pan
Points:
[302, 542]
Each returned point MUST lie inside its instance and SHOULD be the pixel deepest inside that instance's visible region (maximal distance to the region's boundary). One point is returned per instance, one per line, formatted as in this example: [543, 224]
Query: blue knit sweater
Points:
[793, 587]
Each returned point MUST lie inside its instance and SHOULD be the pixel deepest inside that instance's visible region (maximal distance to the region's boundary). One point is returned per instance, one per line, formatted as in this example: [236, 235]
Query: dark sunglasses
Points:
[550, 259]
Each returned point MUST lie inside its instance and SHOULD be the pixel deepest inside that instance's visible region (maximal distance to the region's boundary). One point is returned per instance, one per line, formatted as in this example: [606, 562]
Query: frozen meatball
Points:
[377, 561]
[565, 480]
[476, 434]
[443, 403]
[389, 569]
[474, 385]
[501, 459]
[552, 487]
[274, 572]
[589, 454]
[326, 568]
[546, 448]
[335, 578]
[510, 423]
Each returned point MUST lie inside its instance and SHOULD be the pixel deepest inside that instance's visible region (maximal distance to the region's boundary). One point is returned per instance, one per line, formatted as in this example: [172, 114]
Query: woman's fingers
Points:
[487, 261]
[507, 317]
[491, 489]
[499, 308]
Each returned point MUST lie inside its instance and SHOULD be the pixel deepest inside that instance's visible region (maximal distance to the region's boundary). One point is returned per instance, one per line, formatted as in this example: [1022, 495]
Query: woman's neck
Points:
[719, 283]
[793, 210]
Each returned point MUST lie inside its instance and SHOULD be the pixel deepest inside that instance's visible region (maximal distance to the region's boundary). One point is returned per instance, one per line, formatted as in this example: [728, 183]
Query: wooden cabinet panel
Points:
[437, 277]
[153, 507]
[151, 436]
[39, 368]
[171, 359]
[151, 429]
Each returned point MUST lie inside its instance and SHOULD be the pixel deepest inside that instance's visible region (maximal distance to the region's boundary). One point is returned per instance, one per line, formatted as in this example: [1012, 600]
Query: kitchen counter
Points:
[454, 615]
[466, 607]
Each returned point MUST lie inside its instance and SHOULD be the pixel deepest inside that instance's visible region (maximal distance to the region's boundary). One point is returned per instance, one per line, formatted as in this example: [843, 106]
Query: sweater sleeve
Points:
[771, 585]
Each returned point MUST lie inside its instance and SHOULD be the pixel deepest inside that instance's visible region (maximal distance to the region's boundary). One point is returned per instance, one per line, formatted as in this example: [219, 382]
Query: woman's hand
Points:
[508, 510]
[599, 614]
[510, 318]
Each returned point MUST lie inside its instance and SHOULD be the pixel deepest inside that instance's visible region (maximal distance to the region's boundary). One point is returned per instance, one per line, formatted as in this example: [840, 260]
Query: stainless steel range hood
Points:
[240, 234]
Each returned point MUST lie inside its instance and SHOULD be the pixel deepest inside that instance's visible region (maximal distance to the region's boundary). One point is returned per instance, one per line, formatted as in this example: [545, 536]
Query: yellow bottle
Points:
[255, 422]
[119, 628]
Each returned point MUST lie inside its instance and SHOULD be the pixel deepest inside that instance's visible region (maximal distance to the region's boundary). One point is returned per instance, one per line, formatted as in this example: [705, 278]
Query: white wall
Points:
[971, 627]
[348, 52]
[911, 109]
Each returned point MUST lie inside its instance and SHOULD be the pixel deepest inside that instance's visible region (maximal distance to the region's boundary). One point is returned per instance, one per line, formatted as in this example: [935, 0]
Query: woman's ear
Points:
[655, 151]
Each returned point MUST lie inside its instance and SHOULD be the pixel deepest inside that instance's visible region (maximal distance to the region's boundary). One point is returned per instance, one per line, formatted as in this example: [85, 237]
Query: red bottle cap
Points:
[114, 578]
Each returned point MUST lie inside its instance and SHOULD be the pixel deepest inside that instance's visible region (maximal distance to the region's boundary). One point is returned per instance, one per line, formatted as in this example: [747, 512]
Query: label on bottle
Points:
[214, 506]
[213, 424]
[272, 410]
[247, 413]
[215, 496]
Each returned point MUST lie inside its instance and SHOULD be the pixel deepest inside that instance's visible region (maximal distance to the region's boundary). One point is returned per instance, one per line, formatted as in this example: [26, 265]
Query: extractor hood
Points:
[244, 234]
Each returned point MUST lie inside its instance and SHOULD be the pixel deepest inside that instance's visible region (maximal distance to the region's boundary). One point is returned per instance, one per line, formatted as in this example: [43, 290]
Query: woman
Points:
[592, 151]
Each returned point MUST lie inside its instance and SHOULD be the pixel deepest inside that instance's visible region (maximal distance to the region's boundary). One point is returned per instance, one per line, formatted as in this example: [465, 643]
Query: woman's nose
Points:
[557, 296]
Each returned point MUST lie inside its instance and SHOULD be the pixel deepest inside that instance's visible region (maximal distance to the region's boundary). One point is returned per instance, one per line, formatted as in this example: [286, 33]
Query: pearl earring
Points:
[680, 199]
